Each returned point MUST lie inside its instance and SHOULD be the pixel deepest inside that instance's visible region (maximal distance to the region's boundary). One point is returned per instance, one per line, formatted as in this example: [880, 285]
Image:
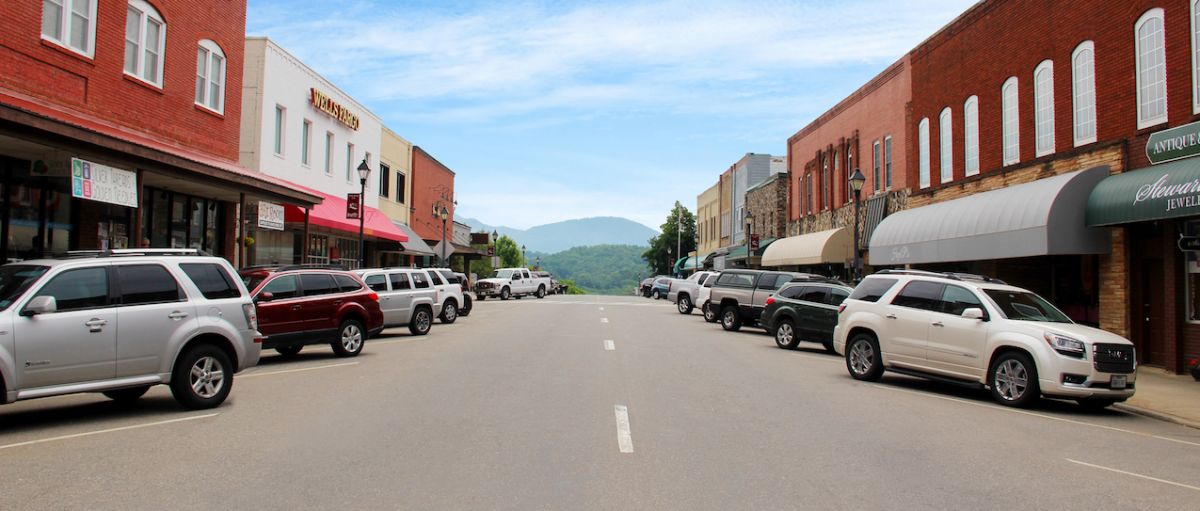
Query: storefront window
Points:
[1192, 273]
[36, 215]
[182, 221]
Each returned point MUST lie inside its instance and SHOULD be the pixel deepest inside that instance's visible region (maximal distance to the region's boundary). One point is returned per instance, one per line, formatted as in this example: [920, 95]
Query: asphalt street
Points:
[525, 404]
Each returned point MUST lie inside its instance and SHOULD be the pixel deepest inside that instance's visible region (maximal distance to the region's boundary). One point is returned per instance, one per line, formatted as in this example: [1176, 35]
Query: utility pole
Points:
[678, 230]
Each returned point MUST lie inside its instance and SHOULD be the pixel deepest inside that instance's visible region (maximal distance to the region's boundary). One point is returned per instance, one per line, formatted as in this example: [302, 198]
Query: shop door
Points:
[1151, 347]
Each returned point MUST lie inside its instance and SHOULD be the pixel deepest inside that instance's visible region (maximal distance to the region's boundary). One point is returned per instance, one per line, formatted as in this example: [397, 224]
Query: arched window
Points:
[1043, 101]
[1195, 56]
[210, 76]
[70, 23]
[1083, 92]
[946, 148]
[826, 194]
[1010, 120]
[923, 141]
[145, 35]
[836, 177]
[971, 136]
[1151, 69]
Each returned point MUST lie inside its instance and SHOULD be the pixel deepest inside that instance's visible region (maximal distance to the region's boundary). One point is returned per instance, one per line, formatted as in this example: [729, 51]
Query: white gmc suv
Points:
[978, 331]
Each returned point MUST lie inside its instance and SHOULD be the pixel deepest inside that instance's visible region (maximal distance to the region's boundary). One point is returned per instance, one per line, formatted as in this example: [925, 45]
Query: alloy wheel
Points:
[784, 334]
[207, 377]
[862, 356]
[1011, 379]
[351, 338]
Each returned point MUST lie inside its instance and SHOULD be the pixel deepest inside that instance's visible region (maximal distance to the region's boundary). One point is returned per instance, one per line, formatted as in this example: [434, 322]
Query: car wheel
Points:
[1095, 404]
[1013, 379]
[449, 312]
[684, 304]
[541, 292]
[863, 358]
[202, 378]
[785, 335]
[421, 321]
[505, 294]
[351, 337]
[289, 351]
[710, 315]
[128, 395]
[730, 319]
[466, 309]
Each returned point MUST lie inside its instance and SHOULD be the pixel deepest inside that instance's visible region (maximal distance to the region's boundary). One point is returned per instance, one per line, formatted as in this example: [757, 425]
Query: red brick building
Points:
[119, 127]
[432, 191]
[1027, 136]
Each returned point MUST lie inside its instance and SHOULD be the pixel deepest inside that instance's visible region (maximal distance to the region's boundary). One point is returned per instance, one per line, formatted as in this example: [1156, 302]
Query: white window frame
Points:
[971, 136]
[279, 143]
[1078, 97]
[329, 144]
[213, 55]
[887, 162]
[1195, 4]
[1043, 108]
[946, 145]
[923, 153]
[1152, 14]
[147, 12]
[66, 21]
[306, 143]
[349, 161]
[877, 164]
[1010, 126]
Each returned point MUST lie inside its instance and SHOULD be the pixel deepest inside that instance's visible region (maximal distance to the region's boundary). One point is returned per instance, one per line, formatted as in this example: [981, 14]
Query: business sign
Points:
[102, 183]
[1189, 243]
[491, 250]
[270, 216]
[353, 205]
[1173, 144]
[753, 242]
[333, 108]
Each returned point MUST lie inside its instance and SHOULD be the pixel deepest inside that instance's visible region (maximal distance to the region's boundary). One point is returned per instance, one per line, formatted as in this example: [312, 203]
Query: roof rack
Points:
[294, 267]
[945, 275]
[129, 252]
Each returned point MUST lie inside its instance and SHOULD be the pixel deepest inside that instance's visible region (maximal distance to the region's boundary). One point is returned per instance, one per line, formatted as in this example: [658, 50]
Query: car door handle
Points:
[177, 315]
[95, 324]
[295, 307]
[337, 302]
[937, 323]
[890, 316]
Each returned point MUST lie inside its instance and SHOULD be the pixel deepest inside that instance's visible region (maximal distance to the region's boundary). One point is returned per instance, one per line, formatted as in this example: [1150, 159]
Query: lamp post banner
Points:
[353, 205]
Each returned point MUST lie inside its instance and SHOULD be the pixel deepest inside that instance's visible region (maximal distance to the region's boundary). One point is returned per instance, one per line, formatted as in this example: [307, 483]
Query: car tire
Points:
[1095, 404]
[449, 312]
[505, 294]
[684, 304]
[421, 322]
[351, 338]
[863, 358]
[466, 308]
[541, 292]
[731, 321]
[128, 395]
[1013, 380]
[289, 351]
[785, 334]
[202, 377]
[482, 298]
[710, 315]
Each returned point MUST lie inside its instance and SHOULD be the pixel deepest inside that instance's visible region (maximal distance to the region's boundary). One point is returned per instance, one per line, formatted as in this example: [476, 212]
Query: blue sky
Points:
[555, 110]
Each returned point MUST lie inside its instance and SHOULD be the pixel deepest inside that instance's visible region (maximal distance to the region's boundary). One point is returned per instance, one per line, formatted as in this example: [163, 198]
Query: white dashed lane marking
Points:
[604, 320]
[624, 436]
[609, 345]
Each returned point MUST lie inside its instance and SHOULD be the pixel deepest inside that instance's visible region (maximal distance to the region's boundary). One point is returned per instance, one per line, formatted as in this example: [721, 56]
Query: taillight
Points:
[373, 296]
[841, 308]
[770, 299]
[251, 315]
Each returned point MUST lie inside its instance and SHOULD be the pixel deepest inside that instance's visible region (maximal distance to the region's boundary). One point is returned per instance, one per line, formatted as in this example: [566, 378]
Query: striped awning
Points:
[876, 209]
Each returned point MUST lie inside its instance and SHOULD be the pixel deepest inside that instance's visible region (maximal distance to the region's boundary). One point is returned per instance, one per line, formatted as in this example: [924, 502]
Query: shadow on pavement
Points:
[160, 406]
[983, 396]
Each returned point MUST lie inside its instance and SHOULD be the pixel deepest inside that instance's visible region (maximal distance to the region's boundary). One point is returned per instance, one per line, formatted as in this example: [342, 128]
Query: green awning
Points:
[739, 252]
[687, 264]
[1170, 190]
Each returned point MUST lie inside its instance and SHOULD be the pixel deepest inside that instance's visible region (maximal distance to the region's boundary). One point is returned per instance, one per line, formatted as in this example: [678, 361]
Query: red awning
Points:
[331, 213]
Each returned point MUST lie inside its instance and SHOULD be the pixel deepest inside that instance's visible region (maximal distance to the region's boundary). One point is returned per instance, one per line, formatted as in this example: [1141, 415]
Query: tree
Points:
[510, 253]
[662, 254]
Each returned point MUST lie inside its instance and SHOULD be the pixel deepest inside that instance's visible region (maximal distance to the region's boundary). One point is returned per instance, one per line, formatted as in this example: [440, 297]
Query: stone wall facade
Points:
[768, 203]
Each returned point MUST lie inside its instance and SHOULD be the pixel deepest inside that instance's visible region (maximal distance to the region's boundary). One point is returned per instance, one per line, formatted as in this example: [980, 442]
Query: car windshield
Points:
[1026, 306]
[502, 274]
[15, 279]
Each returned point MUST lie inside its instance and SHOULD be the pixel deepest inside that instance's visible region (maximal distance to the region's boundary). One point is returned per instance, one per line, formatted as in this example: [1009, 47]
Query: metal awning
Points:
[415, 245]
[1044, 217]
[1170, 190]
[739, 252]
[876, 209]
[832, 246]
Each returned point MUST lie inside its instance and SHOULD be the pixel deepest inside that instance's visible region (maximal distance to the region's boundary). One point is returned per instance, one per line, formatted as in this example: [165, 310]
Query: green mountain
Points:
[559, 236]
[599, 269]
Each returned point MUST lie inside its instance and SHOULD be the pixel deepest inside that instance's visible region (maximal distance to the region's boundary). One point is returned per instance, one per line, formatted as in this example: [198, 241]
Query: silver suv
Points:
[450, 294]
[407, 297]
[978, 331]
[121, 321]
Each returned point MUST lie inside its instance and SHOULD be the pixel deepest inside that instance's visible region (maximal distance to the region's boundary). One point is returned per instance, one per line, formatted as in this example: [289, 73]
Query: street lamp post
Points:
[749, 228]
[444, 214]
[856, 184]
[363, 172]
[678, 232]
[522, 255]
[495, 250]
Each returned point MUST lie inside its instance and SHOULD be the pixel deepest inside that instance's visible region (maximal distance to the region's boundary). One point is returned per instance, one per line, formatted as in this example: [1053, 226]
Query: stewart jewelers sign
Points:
[1173, 144]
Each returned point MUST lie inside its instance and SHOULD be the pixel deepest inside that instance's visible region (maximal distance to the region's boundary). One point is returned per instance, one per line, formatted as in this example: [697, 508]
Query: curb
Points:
[1157, 415]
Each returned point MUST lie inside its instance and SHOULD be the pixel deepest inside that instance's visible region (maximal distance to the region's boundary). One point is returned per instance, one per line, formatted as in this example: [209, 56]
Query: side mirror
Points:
[40, 305]
[973, 313]
[265, 296]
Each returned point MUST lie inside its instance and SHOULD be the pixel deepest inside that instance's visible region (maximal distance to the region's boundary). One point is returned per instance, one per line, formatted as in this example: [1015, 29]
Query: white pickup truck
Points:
[512, 283]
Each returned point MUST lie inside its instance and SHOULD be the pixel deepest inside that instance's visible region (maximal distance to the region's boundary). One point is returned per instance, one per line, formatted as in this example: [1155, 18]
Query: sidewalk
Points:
[1165, 396]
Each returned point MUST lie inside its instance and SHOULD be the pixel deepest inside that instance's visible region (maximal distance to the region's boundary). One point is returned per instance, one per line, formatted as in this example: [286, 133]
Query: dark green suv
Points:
[804, 311]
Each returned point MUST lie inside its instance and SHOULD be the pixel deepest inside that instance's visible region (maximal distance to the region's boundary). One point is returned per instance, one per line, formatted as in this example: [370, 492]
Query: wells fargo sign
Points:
[333, 108]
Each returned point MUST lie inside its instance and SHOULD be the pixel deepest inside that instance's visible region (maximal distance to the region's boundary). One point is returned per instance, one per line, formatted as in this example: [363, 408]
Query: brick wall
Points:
[98, 85]
[431, 182]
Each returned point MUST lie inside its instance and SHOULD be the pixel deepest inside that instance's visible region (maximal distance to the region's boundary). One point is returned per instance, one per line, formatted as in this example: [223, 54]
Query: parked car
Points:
[120, 321]
[407, 297]
[979, 332]
[556, 287]
[450, 295]
[804, 311]
[468, 294]
[301, 305]
[645, 285]
[508, 283]
[739, 296]
[684, 292]
[703, 296]
[661, 287]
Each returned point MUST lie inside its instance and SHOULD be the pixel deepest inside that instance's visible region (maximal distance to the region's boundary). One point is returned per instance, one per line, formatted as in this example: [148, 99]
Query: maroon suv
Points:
[313, 306]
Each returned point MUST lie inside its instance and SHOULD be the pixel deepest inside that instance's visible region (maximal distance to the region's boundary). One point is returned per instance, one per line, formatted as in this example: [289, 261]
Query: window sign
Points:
[270, 216]
[102, 183]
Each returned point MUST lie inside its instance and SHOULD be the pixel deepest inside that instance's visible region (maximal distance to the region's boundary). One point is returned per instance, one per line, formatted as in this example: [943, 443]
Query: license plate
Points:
[1117, 382]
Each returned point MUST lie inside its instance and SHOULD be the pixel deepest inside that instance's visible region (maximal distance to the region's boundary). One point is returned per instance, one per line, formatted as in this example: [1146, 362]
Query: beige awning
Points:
[832, 246]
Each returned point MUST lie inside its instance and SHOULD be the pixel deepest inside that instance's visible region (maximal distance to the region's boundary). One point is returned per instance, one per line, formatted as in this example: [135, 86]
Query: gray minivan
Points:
[407, 296]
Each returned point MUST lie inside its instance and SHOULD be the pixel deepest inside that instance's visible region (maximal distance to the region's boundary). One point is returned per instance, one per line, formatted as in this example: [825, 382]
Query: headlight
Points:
[1066, 345]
